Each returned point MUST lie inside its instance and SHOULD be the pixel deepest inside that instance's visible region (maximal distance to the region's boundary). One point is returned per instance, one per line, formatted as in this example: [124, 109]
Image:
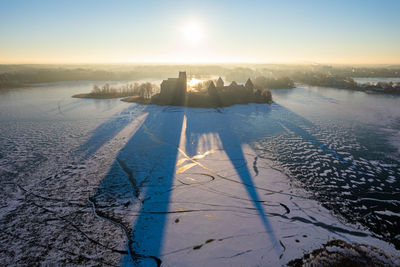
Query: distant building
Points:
[233, 87]
[211, 89]
[249, 85]
[220, 82]
[174, 89]
[172, 85]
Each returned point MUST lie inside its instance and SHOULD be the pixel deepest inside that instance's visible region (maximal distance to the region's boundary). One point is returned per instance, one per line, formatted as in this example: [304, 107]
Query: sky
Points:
[271, 31]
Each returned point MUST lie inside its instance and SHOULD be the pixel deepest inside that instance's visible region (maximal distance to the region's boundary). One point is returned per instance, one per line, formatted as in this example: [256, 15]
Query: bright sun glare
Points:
[192, 32]
[193, 82]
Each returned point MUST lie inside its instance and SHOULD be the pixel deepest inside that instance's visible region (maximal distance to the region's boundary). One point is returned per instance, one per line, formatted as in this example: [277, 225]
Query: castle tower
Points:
[249, 85]
[220, 82]
[180, 89]
[211, 89]
[213, 94]
[182, 82]
[173, 90]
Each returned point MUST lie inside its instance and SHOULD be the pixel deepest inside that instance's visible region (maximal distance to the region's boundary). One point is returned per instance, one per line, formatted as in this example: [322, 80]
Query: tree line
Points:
[144, 90]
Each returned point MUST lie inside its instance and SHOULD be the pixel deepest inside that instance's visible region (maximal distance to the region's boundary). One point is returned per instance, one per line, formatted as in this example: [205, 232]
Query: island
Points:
[174, 91]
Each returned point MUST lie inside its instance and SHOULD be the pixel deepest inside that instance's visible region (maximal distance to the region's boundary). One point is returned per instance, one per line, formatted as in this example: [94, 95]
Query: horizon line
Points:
[222, 62]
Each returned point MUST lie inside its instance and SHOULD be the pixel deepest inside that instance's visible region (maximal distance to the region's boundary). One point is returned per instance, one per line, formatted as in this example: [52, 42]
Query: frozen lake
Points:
[256, 184]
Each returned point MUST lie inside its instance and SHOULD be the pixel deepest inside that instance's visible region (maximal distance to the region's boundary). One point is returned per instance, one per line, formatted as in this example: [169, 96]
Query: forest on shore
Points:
[273, 76]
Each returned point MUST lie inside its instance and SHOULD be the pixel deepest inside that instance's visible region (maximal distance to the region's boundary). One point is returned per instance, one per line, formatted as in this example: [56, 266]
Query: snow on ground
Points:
[204, 195]
[188, 187]
[150, 185]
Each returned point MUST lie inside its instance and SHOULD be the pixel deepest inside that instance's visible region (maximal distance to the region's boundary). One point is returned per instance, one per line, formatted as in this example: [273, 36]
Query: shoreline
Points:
[143, 101]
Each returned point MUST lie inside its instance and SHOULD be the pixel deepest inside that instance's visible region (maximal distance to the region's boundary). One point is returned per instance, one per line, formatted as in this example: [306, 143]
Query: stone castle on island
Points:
[173, 91]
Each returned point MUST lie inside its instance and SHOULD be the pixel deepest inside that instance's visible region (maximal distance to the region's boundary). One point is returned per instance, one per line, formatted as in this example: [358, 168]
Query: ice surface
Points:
[89, 182]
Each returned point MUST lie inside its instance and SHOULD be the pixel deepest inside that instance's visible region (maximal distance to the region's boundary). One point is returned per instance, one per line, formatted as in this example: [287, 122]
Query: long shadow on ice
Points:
[108, 130]
[227, 127]
[143, 172]
[144, 169]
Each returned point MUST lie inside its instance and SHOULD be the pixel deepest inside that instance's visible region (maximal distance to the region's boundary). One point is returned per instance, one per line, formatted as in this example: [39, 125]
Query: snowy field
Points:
[102, 182]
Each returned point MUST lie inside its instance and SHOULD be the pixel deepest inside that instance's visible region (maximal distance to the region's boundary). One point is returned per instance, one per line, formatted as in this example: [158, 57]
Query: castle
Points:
[174, 89]
[177, 87]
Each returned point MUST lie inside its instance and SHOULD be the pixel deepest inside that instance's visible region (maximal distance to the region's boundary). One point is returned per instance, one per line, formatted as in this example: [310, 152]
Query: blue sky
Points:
[77, 31]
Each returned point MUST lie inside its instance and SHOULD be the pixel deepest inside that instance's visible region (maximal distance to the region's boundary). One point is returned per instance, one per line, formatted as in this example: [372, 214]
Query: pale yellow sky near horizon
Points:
[84, 32]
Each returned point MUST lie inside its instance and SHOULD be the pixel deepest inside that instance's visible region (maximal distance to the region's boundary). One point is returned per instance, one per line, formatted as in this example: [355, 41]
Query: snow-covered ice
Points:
[89, 182]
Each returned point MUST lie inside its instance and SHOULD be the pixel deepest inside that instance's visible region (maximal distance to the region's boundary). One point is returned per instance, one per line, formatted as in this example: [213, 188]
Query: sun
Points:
[193, 82]
[192, 32]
